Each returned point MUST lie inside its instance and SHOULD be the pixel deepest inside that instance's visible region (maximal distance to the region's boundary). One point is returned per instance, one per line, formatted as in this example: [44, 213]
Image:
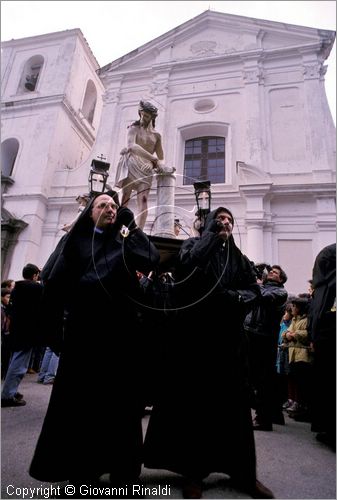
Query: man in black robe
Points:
[201, 421]
[322, 332]
[93, 422]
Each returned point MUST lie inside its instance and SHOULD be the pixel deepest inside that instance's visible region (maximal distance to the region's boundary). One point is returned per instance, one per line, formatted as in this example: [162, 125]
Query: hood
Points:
[212, 215]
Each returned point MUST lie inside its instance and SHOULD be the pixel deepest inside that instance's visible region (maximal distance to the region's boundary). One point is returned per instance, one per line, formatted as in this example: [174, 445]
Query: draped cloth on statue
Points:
[133, 170]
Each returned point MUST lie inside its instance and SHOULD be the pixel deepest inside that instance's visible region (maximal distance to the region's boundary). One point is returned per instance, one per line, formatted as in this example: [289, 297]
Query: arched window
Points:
[204, 160]
[9, 152]
[30, 74]
[89, 101]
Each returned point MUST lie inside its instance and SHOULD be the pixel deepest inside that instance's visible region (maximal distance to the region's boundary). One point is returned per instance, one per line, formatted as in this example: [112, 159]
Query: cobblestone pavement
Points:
[290, 460]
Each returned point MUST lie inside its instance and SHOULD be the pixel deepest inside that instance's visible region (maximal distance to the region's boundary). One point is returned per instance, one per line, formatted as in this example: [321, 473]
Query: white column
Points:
[165, 210]
[255, 246]
[257, 215]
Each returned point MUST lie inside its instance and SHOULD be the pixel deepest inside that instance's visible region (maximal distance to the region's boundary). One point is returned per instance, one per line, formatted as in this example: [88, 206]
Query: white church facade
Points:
[241, 102]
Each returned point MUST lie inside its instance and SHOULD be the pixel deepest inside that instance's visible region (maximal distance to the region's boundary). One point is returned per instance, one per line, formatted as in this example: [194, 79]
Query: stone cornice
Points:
[255, 56]
[18, 104]
[80, 122]
[326, 190]
[259, 222]
[322, 189]
[57, 36]
[24, 196]
[321, 39]
[188, 63]
[87, 132]
[64, 201]
[256, 189]
[325, 225]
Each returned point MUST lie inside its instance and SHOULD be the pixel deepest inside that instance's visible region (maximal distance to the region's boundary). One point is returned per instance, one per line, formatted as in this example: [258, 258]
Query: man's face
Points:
[145, 118]
[274, 275]
[226, 219]
[103, 211]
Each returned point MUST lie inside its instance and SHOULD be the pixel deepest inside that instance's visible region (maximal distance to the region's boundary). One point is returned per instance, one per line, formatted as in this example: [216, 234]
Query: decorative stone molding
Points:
[203, 48]
[325, 225]
[159, 88]
[254, 75]
[111, 97]
[250, 174]
[312, 71]
[77, 119]
[11, 227]
[22, 196]
[252, 223]
[204, 105]
[322, 71]
[21, 102]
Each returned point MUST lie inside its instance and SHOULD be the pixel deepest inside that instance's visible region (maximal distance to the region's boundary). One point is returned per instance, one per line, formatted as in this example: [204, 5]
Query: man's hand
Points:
[214, 226]
[125, 218]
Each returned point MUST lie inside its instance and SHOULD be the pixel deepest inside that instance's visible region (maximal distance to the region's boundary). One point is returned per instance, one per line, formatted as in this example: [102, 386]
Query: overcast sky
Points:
[114, 28]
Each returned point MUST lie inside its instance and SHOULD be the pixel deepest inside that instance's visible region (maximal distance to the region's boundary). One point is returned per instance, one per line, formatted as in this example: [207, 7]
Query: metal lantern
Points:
[202, 193]
[98, 176]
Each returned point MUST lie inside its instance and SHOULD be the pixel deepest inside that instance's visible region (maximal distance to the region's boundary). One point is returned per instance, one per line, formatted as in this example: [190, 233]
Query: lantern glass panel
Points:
[203, 200]
[97, 182]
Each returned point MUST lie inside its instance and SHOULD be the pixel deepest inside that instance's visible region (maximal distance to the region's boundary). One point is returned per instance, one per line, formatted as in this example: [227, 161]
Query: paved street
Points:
[290, 461]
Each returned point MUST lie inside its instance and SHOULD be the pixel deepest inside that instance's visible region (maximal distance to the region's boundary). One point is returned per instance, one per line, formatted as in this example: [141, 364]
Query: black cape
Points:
[201, 420]
[322, 329]
[25, 316]
[93, 422]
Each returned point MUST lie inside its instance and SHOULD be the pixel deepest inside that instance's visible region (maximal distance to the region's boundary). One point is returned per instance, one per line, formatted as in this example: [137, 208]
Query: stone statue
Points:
[140, 160]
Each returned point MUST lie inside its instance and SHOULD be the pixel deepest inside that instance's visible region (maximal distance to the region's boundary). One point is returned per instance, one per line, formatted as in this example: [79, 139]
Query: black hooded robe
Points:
[322, 330]
[93, 421]
[201, 420]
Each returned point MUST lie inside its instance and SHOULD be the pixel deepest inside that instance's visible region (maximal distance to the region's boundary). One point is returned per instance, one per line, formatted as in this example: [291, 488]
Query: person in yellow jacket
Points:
[300, 358]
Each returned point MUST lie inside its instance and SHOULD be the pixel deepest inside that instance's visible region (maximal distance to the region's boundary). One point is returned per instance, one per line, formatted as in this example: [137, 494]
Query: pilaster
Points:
[252, 76]
[257, 216]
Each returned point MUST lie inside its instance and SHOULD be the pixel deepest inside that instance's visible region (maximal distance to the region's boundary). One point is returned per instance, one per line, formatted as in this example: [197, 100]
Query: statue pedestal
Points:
[165, 210]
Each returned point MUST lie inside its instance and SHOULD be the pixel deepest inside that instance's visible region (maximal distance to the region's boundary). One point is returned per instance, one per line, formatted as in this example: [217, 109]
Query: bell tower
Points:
[51, 108]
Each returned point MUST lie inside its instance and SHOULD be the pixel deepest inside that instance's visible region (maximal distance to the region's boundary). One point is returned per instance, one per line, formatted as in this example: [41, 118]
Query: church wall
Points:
[54, 72]
[33, 129]
[81, 73]
[215, 75]
[69, 149]
[186, 122]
